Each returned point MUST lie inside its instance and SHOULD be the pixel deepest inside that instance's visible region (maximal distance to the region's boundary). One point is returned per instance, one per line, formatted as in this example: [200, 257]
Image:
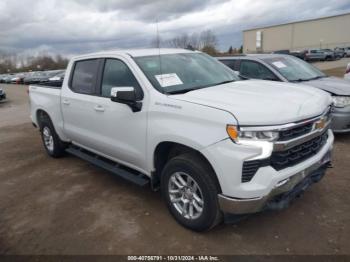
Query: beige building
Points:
[325, 32]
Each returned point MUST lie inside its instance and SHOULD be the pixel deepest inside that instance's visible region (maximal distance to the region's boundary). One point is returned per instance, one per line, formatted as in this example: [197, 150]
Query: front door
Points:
[119, 132]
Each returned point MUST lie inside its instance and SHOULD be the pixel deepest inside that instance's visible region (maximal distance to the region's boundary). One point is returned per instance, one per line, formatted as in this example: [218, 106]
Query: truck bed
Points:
[47, 98]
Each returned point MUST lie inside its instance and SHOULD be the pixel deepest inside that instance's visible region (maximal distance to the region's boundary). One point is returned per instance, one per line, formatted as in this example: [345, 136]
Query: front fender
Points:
[193, 125]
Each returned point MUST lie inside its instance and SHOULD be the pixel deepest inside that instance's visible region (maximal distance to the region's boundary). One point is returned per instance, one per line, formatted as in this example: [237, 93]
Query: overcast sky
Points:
[80, 26]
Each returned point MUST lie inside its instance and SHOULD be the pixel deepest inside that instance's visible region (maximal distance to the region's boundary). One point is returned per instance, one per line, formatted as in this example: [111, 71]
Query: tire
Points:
[191, 167]
[53, 145]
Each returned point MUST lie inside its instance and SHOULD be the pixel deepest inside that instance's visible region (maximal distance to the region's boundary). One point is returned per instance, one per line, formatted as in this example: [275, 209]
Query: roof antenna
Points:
[160, 59]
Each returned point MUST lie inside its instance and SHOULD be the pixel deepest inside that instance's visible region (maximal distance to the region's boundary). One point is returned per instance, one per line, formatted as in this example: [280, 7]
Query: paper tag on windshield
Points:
[279, 64]
[166, 80]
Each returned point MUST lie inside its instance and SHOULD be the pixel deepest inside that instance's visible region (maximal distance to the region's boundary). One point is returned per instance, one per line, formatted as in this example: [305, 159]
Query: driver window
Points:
[117, 74]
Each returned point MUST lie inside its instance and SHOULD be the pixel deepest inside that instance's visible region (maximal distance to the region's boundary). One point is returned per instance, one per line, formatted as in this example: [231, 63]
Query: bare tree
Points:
[208, 39]
[181, 41]
[205, 41]
[195, 41]
[12, 63]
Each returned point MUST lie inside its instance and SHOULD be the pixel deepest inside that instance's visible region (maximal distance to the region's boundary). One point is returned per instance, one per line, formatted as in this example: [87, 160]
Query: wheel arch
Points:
[40, 114]
[167, 150]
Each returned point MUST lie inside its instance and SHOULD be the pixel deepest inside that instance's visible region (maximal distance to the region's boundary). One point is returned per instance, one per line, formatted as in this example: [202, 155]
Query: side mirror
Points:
[120, 94]
[126, 95]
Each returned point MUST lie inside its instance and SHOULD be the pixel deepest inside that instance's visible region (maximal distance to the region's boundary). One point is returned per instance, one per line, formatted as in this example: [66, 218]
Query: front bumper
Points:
[283, 193]
[341, 120]
[227, 157]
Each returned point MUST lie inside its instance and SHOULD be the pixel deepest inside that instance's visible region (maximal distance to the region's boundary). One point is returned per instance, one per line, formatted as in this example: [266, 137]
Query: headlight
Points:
[239, 135]
[341, 101]
[260, 139]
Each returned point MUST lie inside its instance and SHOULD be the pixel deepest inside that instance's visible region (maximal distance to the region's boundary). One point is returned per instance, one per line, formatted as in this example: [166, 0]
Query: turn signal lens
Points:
[232, 132]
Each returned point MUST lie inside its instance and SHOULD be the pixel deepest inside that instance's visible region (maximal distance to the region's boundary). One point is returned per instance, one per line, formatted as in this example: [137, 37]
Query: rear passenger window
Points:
[118, 74]
[229, 63]
[84, 76]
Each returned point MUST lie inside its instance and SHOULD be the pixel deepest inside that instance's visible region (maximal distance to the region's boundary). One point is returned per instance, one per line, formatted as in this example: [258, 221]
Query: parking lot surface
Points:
[333, 64]
[67, 206]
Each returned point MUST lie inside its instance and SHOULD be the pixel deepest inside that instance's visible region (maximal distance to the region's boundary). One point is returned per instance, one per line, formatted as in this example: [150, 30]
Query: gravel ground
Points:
[67, 206]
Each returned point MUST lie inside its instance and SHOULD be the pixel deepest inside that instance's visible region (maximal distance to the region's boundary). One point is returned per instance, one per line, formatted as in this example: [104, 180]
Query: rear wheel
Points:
[52, 143]
[190, 190]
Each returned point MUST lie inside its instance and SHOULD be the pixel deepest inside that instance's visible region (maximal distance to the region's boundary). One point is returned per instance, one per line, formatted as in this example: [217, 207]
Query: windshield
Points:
[294, 69]
[180, 73]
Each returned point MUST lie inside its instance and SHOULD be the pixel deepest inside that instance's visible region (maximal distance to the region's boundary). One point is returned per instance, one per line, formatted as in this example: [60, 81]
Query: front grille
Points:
[297, 154]
[284, 159]
[295, 132]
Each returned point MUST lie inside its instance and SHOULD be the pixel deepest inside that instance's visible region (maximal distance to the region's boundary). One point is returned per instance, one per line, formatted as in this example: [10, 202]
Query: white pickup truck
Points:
[183, 122]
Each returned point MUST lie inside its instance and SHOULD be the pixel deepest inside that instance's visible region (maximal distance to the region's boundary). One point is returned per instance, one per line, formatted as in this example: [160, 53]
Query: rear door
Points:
[77, 102]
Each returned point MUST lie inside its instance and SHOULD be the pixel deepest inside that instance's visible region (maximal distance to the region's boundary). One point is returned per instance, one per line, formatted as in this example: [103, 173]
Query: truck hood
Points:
[334, 85]
[256, 102]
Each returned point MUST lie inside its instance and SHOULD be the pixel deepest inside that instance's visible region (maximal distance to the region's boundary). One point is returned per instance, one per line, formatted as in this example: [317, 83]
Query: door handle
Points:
[66, 102]
[99, 108]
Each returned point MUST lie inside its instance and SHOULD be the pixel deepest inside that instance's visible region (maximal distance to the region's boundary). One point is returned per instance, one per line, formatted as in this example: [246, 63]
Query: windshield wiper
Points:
[224, 82]
[307, 79]
[299, 80]
[182, 91]
[316, 77]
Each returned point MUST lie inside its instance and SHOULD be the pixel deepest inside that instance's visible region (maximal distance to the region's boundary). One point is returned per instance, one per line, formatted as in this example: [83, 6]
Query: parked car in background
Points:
[347, 72]
[330, 55]
[35, 77]
[319, 55]
[213, 144]
[41, 76]
[2, 95]
[58, 76]
[285, 52]
[18, 78]
[347, 51]
[2, 78]
[8, 78]
[300, 54]
[285, 68]
[339, 52]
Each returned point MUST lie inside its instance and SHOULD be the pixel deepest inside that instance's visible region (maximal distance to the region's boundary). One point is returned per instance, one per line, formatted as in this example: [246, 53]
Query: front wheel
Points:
[190, 190]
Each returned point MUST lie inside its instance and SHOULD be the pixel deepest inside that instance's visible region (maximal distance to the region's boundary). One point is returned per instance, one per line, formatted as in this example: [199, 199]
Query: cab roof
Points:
[138, 52]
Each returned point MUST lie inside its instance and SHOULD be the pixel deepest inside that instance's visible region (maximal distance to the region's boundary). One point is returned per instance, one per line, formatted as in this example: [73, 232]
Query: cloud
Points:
[79, 26]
